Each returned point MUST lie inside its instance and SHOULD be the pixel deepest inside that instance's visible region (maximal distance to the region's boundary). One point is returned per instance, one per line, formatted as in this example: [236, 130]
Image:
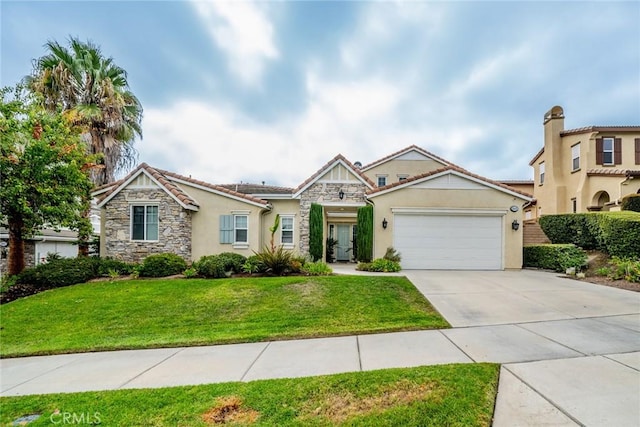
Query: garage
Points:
[460, 241]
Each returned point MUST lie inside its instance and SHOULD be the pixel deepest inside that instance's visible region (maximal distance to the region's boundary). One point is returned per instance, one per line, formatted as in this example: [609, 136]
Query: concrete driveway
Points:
[570, 350]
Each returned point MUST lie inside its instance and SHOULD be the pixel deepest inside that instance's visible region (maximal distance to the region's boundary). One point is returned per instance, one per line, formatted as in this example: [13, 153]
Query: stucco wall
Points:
[282, 207]
[489, 199]
[174, 226]
[396, 167]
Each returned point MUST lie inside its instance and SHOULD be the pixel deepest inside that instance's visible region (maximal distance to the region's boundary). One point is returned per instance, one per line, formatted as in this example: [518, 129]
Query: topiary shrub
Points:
[211, 266]
[60, 272]
[316, 221]
[380, 265]
[232, 261]
[364, 237]
[162, 265]
[557, 257]
[631, 203]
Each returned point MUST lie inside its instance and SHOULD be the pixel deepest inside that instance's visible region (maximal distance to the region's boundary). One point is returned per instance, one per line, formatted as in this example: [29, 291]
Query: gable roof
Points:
[404, 151]
[443, 171]
[166, 181]
[339, 159]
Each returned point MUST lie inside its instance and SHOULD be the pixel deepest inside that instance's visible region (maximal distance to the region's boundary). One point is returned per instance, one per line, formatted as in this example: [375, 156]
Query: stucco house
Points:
[586, 169]
[436, 214]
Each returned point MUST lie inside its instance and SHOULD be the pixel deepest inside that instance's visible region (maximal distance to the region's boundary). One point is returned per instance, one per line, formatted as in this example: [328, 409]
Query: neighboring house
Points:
[586, 169]
[436, 214]
[36, 249]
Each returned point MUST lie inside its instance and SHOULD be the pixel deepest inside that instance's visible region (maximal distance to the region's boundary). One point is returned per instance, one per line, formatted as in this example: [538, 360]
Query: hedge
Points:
[556, 257]
[617, 233]
[162, 265]
[631, 203]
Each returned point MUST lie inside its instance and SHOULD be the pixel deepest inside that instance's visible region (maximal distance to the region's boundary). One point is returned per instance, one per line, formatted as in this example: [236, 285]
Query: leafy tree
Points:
[43, 170]
[316, 220]
[94, 93]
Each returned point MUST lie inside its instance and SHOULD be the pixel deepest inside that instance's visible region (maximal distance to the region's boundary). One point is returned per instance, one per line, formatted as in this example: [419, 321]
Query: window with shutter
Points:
[607, 151]
[226, 229]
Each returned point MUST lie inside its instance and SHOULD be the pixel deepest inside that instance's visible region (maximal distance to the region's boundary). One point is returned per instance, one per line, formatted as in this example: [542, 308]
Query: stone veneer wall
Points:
[323, 192]
[29, 255]
[174, 228]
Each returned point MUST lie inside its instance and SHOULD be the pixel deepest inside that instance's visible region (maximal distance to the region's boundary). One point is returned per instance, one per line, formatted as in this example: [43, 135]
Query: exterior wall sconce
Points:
[515, 225]
[384, 223]
[341, 194]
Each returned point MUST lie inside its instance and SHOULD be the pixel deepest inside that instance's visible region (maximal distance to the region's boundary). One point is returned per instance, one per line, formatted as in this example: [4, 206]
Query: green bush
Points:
[316, 221]
[317, 268]
[190, 273]
[631, 203]
[108, 265]
[617, 233]
[162, 265]
[556, 257]
[380, 265]
[232, 261]
[392, 255]
[253, 265]
[60, 272]
[364, 238]
[211, 266]
[276, 261]
[627, 269]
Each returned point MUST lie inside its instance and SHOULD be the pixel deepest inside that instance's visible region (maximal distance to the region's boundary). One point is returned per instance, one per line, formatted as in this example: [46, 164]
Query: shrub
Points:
[253, 265]
[211, 266]
[108, 265]
[392, 255]
[190, 273]
[232, 261]
[364, 238]
[631, 203]
[60, 272]
[556, 257]
[317, 268]
[617, 233]
[316, 219]
[626, 269]
[330, 249]
[380, 265]
[162, 265]
[275, 261]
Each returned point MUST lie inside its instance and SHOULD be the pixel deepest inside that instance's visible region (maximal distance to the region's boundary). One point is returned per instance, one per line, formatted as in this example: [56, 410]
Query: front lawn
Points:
[186, 312]
[446, 395]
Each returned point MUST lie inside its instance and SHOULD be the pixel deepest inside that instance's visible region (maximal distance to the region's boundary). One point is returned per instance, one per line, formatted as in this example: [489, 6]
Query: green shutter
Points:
[226, 228]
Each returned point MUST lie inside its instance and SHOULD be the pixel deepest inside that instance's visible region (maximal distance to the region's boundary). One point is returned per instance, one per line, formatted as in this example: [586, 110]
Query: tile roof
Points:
[326, 167]
[516, 181]
[166, 180]
[247, 188]
[405, 150]
[612, 172]
[444, 169]
[584, 129]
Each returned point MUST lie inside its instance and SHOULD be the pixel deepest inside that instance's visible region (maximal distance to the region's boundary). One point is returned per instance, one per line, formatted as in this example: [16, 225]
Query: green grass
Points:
[446, 395]
[181, 312]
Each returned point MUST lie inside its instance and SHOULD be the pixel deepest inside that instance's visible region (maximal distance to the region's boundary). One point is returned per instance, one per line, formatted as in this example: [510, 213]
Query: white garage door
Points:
[449, 242]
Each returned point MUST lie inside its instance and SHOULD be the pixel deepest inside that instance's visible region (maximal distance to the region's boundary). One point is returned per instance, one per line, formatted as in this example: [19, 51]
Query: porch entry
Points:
[345, 235]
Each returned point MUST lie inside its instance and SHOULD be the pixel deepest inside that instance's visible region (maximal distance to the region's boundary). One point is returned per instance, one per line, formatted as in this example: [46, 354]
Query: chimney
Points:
[553, 125]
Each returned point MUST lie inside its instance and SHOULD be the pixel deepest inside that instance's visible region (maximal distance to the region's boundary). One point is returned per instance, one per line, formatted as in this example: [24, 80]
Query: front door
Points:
[344, 242]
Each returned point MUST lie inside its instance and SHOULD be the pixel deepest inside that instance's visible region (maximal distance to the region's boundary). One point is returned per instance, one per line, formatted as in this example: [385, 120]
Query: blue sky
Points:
[270, 91]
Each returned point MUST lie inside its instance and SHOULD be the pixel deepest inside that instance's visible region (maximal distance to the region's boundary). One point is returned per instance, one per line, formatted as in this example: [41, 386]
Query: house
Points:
[37, 247]
[586, 169]
[436, 214]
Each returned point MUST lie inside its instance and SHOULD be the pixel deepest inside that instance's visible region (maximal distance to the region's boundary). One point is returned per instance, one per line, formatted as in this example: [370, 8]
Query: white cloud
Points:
[243, 31]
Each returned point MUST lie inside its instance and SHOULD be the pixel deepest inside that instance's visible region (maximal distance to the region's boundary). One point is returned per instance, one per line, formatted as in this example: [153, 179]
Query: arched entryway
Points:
[600, 199]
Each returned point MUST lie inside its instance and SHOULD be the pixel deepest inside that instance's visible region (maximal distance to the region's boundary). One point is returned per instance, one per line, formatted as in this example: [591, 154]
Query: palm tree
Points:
[94, 93]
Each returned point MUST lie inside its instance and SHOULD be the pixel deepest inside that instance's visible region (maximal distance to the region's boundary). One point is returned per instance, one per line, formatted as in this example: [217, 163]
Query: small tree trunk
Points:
[16, 248]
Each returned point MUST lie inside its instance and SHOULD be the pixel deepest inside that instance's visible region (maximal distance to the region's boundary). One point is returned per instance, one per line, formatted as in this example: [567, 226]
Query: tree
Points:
[94, 93]
[43, 171]
[365, 233]
[316, 219]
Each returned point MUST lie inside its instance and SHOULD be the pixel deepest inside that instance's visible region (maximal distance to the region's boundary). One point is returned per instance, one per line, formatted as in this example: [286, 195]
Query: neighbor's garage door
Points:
[449, 242]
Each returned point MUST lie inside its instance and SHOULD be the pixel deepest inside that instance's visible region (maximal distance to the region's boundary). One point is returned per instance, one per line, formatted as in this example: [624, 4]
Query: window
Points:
[144, 222]
[607, 151]
[575, 157]
[382, 180]
[286, 236]
[541, 166]
[240, 229]
[402, 177]
[574, 205]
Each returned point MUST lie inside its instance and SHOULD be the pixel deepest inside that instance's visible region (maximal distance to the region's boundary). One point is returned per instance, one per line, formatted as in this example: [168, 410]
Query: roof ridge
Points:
[338, 157]
[402, 151]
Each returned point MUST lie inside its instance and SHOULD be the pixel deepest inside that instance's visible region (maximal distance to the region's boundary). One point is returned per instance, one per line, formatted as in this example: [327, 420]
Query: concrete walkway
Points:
[570, 351]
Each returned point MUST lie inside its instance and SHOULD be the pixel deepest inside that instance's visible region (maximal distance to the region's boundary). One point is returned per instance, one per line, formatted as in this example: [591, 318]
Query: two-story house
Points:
[586, 169]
